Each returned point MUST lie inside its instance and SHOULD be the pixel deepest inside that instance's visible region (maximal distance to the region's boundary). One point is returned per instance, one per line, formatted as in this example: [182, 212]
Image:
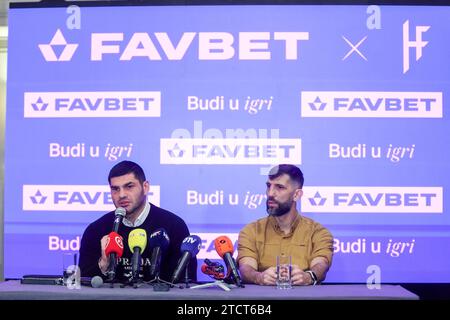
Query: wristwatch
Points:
[313, 276]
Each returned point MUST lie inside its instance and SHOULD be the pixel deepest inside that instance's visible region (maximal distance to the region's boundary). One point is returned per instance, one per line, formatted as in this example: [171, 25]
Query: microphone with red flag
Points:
[224, 248]
[113, 250]
[114, 244]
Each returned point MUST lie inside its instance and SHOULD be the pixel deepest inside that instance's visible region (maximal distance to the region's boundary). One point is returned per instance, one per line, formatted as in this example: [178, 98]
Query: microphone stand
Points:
[219, 283]
[157, 281]
[186, 275]
[132, 282]
[111, 272]
[111, 279]
[239, 283]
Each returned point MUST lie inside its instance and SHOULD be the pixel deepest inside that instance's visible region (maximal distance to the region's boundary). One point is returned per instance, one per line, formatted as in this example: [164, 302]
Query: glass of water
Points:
[284, 272]
[70, 268]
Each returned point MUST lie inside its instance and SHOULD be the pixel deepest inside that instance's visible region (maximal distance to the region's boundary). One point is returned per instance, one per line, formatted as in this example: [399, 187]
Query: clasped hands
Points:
[269, 277]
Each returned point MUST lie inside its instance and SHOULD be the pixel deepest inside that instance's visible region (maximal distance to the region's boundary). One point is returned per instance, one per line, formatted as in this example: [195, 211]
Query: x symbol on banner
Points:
[354, 48]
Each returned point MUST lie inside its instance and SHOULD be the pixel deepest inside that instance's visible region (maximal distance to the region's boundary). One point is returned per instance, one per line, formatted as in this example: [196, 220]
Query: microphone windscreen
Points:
[120, 212]
[114, 244]
[191, 244]
[159, 238]
[96, 282]
[223, 245]
[137, 238]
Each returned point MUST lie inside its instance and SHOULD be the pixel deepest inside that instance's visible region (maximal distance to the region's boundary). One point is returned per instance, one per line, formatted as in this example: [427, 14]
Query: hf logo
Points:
[418, 44]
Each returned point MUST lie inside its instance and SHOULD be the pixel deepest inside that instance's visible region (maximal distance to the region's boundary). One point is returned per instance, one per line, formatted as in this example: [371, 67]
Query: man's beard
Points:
[281, 210]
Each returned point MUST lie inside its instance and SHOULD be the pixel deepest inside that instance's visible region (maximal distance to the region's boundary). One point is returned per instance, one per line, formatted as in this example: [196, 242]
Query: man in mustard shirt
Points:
[284, 233]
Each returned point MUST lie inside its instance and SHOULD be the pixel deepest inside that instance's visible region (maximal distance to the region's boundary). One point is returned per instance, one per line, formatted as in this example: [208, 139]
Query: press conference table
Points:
[14, 290]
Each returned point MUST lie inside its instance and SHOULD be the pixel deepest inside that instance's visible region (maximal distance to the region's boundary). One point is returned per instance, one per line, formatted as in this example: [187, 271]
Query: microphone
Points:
[189, 248]
[114, 249]
[159, 241]
[137, 241]
[119, 214]
[95, 282]
[224, 248]
[213, 269]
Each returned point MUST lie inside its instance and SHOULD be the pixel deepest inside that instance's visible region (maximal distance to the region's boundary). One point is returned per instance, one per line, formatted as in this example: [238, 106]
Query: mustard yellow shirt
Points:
[263, 240]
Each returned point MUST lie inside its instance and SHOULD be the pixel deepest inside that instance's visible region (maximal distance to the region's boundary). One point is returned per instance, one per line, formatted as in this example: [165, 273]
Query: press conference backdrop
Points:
[207, 99]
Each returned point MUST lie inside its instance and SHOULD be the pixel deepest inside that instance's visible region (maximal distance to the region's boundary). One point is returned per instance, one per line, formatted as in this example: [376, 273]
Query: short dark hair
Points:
[126, 167]
[294, 173]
